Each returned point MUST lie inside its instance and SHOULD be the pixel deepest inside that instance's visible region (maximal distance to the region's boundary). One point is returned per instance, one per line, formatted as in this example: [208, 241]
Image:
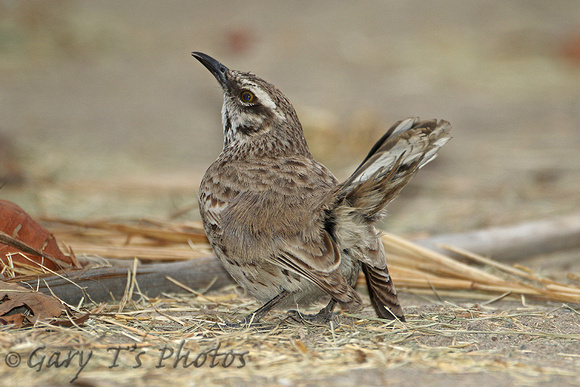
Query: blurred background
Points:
[104, 113]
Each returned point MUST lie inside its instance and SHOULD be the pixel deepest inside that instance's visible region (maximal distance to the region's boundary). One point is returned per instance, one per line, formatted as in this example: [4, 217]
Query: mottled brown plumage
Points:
[280, 222]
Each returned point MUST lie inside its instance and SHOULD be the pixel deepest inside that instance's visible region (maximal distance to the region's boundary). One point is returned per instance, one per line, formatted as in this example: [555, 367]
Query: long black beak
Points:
[217, 69]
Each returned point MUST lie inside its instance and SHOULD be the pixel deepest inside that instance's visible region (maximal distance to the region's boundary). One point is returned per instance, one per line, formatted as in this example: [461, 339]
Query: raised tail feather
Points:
[405, 148]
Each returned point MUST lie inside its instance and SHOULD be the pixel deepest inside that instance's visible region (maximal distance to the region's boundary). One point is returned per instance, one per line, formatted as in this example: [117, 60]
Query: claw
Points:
[322, 317]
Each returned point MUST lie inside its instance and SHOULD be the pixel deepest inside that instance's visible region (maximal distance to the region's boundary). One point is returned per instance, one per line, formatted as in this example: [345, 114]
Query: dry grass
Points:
[522, 343]
[414, 268]
[452, 339]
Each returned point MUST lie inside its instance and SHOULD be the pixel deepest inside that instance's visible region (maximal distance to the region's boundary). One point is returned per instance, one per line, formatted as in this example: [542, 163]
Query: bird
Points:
[281, 223]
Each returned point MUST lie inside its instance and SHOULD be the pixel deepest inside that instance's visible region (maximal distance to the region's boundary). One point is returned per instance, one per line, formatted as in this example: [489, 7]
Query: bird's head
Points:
[255, 113]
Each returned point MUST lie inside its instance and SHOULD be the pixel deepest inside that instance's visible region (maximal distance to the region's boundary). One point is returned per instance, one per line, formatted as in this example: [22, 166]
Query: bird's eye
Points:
[247, 96]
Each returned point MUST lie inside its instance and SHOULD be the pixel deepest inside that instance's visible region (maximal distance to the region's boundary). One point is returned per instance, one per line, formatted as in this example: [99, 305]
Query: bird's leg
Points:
[257, 315]
[322, 317]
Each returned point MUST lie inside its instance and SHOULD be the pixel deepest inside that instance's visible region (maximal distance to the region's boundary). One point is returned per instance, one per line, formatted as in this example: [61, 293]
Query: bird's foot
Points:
[254, 318]
[322, 317]
[247, 322]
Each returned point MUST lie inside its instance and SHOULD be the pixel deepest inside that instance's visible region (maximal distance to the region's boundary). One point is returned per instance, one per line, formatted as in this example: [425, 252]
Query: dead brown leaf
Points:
[21, 307]
[26, 244]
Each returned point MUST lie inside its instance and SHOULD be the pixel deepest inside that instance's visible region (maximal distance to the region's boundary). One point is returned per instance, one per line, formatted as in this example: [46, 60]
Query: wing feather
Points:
[322, 269]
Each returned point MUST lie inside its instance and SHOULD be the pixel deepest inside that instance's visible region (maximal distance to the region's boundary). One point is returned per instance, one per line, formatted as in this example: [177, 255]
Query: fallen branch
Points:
[101, 284]
[512, 243]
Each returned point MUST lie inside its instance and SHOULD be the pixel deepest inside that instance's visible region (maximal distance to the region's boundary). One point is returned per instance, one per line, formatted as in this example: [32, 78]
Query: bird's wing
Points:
[211, 210]
[319, 263]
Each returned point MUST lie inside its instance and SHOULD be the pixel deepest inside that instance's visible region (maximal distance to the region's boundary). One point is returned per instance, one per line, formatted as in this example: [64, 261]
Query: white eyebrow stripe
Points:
[264, 98]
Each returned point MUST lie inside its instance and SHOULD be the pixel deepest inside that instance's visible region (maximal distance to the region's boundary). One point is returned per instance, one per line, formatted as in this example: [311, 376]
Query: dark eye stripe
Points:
[247, 129]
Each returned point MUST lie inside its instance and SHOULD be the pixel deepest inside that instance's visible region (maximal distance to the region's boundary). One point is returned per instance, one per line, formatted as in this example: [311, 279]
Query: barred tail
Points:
[382, 293]
[405, 148]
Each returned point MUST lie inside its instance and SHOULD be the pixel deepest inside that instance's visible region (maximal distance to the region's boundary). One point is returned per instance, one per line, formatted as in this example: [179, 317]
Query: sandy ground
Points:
[107, 115]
